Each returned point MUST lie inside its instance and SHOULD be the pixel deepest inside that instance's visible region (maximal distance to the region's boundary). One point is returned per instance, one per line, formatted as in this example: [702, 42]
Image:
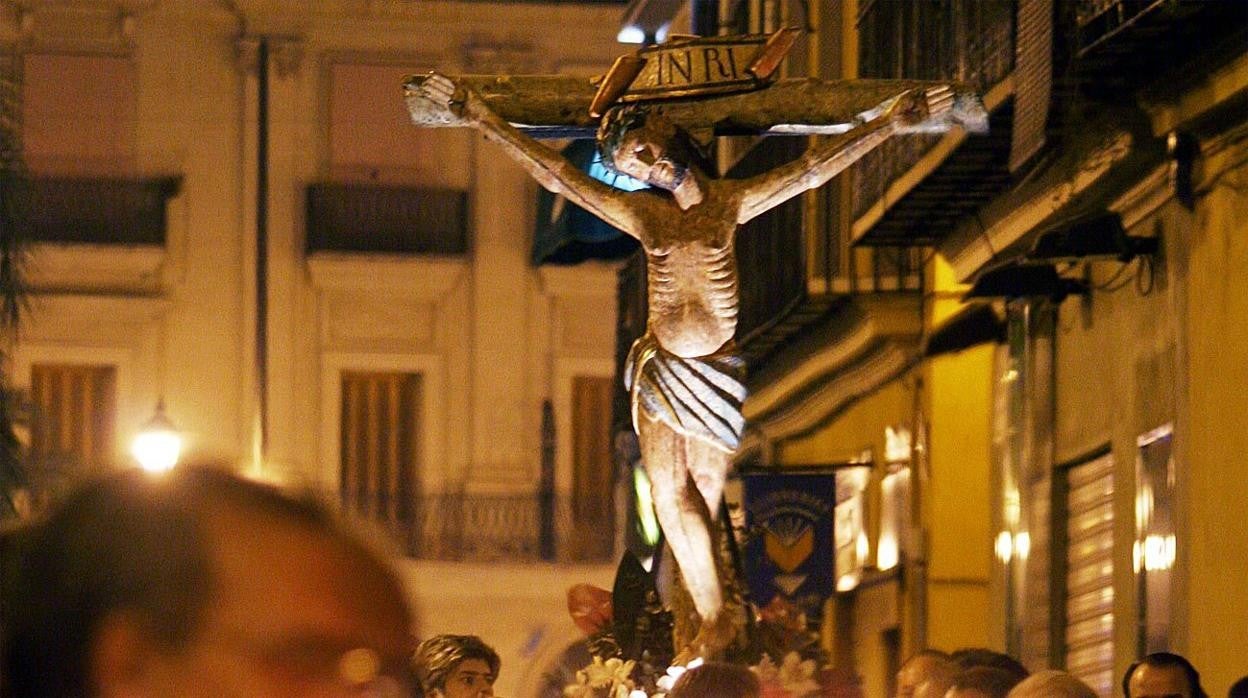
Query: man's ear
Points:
[119, 655]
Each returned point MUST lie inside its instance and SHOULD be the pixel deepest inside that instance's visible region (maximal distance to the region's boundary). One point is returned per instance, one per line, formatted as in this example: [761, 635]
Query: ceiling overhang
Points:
[866, 343]
[1101, 164]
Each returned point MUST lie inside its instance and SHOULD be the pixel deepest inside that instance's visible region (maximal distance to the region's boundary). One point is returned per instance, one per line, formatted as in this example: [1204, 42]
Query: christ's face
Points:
[644, 153]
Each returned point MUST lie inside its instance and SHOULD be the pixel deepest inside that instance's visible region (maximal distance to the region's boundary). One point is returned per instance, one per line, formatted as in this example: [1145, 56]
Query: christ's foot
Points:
[713, 638]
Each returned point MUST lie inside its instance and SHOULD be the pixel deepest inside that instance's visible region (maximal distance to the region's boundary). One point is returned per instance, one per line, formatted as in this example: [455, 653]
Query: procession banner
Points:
[788, 549]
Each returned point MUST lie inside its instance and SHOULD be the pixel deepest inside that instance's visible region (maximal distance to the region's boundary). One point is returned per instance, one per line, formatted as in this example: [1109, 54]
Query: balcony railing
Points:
[969, 41]
[1122, 45]
[104, 211]
[505, 528]
[367, 218]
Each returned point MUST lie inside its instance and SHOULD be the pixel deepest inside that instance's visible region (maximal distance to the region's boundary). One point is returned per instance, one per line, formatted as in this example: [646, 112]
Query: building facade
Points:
[1028, 336]
[230, 214]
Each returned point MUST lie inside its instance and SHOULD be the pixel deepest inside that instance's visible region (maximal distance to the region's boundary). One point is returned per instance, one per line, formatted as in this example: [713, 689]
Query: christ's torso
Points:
[692, 279]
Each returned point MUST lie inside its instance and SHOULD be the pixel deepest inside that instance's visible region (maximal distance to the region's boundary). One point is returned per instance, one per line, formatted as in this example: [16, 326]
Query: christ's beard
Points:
[667, 174]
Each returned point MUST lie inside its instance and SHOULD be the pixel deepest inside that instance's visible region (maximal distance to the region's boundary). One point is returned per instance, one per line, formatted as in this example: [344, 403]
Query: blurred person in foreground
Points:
[1051, 683]
[982, 682]
[1162, 675]
[457, 666]
[201, 583]
[717, 680]
[926, 674]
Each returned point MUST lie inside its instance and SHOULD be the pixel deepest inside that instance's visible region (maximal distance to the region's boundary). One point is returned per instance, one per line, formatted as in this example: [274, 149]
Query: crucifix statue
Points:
[684, 376]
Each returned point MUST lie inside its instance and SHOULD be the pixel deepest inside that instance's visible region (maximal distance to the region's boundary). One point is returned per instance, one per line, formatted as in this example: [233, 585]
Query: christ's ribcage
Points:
[693, 298]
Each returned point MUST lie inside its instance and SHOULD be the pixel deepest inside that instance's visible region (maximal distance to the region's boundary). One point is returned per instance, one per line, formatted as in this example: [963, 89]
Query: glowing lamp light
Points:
[896, 444]
[1022, 545]
[1155, 554]
[631, 34]
[886, 553]
[158, 444]
[1004, 547]
[664, 30]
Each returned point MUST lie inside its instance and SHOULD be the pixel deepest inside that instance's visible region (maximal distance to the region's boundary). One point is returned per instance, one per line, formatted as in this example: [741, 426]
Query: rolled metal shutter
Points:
[1090, 573]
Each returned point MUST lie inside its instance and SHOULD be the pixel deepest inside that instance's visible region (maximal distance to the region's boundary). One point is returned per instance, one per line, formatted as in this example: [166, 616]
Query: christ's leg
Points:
[682, 512]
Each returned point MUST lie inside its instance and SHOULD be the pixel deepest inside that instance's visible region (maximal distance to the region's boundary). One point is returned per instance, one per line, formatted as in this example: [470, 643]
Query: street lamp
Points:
[158, 443]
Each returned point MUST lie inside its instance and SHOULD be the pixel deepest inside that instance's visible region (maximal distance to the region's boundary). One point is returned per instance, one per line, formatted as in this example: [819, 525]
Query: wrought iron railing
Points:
[370, 218]
[970, 41]
[506, 528]
[1097, 20]
[97, 210]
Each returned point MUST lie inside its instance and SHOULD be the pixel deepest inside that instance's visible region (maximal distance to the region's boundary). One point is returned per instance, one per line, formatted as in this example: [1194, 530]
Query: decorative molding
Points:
[104, 26]
[99, 269]
[247, 54]
[416, 277]
[831, 396]
[285, 54]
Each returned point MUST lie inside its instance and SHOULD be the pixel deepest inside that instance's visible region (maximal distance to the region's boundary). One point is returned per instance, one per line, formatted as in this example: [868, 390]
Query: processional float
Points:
[653, 116]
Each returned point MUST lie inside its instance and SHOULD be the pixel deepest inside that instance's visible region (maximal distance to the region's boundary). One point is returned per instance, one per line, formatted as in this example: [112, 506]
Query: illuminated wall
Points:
[957, 401]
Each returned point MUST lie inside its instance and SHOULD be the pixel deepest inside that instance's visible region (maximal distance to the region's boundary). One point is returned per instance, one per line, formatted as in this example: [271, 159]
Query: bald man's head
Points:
[929, 671]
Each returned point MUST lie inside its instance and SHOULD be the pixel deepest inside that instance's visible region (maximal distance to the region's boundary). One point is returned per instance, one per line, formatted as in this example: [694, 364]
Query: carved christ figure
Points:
[683, 374]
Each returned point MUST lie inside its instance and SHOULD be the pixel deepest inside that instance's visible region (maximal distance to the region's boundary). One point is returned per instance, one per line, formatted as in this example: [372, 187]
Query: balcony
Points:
[389, 220]
[464, 527]
[1122, 45]
[98, 211]
[796, 262]
[968, 41]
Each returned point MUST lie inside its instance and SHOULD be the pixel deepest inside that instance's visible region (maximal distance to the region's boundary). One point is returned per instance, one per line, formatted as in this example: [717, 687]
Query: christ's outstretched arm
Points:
[822, 162]
[554, 172]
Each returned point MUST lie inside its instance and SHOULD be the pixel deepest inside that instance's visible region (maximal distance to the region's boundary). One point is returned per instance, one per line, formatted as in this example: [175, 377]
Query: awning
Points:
[568, 234]
[972, 325]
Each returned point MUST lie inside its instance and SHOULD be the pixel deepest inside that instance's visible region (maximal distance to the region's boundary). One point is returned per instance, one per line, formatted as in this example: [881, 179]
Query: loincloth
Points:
[700, 397]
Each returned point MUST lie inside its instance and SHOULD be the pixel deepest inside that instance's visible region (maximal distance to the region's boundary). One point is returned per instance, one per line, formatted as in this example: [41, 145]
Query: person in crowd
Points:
[201, 583]
[456, 666]
[982, 682]
[1051, 683]
[1239, 689]
[1162, 675]
[969, 657]
[927, 672]
[717, 680]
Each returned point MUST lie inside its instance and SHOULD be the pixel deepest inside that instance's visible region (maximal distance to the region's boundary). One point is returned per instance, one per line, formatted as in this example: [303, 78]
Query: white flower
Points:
[797, 676]
[614, 675]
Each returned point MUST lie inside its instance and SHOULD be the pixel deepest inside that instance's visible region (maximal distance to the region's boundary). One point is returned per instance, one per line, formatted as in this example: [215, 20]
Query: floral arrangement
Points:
[631, 647]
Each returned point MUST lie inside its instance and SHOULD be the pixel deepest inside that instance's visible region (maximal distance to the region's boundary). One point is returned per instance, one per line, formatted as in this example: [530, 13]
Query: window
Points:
[1023, 462]
[592, 503]
[73, 411]
[379, 447]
